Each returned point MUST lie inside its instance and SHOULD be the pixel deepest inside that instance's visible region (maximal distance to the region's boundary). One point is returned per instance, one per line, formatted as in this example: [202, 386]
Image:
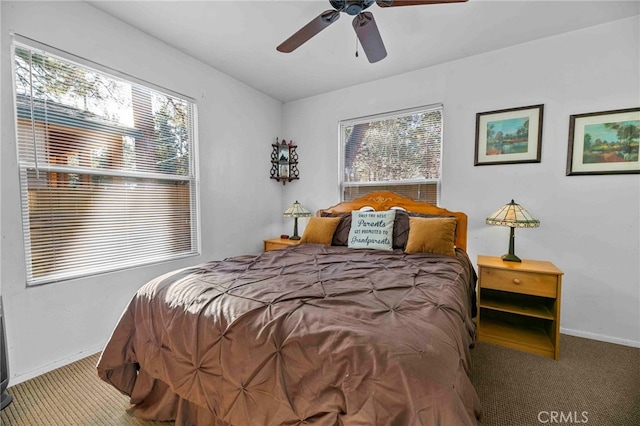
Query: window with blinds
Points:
[399, 152]
[106, 167]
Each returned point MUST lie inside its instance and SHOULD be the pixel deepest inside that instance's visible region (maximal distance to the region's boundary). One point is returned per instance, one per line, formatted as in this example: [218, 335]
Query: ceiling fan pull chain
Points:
[356, 46]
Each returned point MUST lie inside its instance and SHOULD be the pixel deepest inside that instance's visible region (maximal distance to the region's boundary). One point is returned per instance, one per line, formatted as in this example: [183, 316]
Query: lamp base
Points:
[510, 257]
[295, 235]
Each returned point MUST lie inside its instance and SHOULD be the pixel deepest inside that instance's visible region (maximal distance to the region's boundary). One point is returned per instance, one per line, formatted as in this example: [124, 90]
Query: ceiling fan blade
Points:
[316, 25]
[369, 36]
[393, 3]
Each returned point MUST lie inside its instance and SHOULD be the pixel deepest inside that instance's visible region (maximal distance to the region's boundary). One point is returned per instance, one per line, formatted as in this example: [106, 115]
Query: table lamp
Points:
[295, 211]
[514, 216]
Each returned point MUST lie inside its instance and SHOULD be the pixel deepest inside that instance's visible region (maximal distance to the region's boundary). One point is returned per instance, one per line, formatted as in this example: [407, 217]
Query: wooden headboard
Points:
[384, 200]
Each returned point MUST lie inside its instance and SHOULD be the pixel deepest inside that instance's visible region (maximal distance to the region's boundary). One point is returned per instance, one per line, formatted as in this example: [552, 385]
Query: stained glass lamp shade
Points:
[295, 211]
[514, 216]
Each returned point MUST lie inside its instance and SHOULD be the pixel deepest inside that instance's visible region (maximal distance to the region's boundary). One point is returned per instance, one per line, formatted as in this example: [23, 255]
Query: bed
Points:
[318, 333]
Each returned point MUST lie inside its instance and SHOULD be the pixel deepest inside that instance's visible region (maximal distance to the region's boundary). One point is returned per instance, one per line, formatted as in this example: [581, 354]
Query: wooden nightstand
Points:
[520, 304]
[278, 243]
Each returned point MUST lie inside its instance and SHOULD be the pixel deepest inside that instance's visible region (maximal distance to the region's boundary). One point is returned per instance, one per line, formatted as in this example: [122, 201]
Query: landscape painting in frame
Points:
[604, 142]
[509, 136]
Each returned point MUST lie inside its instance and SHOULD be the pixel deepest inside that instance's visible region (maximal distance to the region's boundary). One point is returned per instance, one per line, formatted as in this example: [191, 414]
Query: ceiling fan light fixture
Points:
[351, 7]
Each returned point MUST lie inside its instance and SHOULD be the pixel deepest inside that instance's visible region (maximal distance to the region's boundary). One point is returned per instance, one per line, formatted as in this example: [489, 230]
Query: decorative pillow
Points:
[341, 235]
[401, 226]
[431, 235]
[401, 229]
[372, 230]
[320, 230]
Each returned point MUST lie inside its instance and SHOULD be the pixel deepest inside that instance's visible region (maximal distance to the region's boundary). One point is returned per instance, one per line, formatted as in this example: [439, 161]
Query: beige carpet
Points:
[71, 395]
[594, 383]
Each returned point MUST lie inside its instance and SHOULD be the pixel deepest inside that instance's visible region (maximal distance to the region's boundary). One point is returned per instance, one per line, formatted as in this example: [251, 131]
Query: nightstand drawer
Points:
[279, 243]
[270, 245]
[520, 282]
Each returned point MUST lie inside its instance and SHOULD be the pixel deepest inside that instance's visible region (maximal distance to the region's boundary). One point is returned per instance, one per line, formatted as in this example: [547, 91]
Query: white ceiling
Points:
[240, 37]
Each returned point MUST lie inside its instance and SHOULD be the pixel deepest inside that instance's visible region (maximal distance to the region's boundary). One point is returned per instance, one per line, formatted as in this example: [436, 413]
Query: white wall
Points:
[590, 225]
[51, 325]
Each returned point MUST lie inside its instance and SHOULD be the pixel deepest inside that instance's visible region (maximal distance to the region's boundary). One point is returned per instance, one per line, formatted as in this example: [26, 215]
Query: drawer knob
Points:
[516, 281]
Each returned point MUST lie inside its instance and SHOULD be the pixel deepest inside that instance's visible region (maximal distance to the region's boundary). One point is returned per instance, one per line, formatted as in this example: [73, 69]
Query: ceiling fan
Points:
[364, 24]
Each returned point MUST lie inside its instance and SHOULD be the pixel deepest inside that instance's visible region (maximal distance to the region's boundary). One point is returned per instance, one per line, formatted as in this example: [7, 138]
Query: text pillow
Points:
[372, 230]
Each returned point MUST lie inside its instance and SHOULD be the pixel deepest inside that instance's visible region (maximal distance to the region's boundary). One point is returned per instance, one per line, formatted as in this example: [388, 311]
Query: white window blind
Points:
[399, 152]
[106, 168]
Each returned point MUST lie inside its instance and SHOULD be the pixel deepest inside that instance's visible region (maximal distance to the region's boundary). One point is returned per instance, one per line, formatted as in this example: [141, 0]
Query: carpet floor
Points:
[593, 383]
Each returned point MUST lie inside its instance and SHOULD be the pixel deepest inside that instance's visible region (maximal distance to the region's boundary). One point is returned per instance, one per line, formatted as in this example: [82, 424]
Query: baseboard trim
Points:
[14, 380]
[600, 337]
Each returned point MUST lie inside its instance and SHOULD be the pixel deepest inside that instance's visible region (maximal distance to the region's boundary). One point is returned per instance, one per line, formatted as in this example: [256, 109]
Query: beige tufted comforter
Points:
[309, 334]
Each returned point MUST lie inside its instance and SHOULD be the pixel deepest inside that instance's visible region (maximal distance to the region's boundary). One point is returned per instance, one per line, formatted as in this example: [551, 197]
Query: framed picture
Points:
[604, 142]
[509, 136]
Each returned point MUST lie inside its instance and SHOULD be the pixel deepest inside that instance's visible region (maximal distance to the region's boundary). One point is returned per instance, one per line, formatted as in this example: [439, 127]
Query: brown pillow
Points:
[320, 230]
[341, 235]
[401, 226]
[431, 235]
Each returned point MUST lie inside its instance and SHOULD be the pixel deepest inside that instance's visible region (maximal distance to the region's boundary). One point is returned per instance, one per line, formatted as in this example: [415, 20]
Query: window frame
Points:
[342, 185]
[25, 165]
